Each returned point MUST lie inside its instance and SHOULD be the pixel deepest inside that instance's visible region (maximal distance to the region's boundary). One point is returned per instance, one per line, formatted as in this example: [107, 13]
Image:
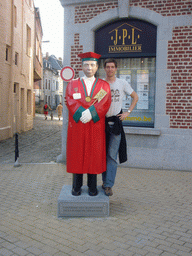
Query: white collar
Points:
[91, 79]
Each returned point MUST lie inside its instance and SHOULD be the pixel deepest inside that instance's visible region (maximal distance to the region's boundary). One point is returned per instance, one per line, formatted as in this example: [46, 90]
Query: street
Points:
[42, 144]
[150, 211]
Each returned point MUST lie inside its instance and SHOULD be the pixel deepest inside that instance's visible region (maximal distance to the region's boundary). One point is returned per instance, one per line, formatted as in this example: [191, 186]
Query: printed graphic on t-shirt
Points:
[115, 95]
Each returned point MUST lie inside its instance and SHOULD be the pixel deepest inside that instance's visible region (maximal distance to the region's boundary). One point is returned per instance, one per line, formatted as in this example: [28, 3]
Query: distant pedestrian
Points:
[46, 108]
[59, 110]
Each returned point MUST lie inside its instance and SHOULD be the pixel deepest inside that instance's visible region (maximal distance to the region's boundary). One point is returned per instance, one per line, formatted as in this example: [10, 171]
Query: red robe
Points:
[86, 143]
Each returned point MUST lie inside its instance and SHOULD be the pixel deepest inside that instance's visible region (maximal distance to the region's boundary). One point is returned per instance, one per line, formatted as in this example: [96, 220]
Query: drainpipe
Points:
[11, 82]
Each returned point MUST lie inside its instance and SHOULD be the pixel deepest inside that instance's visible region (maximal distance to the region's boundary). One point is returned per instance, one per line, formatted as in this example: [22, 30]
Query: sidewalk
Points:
[150, 214]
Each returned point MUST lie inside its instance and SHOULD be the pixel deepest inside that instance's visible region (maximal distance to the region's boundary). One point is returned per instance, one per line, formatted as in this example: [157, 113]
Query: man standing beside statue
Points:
[115, 136]
[88, 100]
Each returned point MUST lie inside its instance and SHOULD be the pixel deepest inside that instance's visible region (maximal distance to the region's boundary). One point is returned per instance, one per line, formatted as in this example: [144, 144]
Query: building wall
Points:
[50, 93]
[167, 145]
[60, 89]
[38, 60]
[53, 90]
[16, 105]
[47, 76]
[179, 90]
[51, 72]
[59, 92]
[165, 8]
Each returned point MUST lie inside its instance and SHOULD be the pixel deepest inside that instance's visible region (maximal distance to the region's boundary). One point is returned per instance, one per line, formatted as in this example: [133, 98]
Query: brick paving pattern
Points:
[150, 211]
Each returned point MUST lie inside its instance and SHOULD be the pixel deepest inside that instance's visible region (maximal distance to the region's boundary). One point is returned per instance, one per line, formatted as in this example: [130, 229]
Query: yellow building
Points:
[17, 68]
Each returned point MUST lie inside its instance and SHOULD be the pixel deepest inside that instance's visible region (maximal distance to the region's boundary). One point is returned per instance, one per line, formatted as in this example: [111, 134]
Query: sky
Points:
[52, 16]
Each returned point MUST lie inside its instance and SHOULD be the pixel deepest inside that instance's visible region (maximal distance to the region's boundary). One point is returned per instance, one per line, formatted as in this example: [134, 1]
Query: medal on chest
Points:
[88, 99]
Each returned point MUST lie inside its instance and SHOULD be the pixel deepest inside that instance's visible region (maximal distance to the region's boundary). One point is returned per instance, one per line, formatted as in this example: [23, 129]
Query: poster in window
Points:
[126, 74]
[143, 89]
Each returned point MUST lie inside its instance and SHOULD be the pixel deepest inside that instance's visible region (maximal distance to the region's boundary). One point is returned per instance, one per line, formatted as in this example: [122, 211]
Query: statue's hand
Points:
[86, 116]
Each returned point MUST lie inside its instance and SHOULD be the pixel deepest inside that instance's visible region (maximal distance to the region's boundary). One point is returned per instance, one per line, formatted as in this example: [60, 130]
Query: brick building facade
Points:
[166, 144]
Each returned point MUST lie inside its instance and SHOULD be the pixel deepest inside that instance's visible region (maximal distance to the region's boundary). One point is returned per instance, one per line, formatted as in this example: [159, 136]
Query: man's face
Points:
[110, 69]
[90, 67]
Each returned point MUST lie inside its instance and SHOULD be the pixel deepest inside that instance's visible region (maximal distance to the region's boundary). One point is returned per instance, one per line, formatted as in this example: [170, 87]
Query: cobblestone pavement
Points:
[150, 211]
[42, 144]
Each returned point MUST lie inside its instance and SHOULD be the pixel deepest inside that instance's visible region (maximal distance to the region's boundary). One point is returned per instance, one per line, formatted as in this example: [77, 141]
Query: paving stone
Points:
[93, 253]
[136, 250]
[153, 250]
[151, 254]
[8, 245]
[47, 254]
[60, 254]
[167, 254]
[107, 252]
[182, 253]
[34, 250]
[5, 252]
[175, 241]
[163, 242]
[122, 251]
[167, 249]
[20, 251]
[121, 245]
[75, 253]
[182, 248]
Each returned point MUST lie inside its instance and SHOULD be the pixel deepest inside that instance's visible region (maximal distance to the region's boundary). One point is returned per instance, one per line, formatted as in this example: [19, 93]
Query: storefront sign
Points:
[126, 38]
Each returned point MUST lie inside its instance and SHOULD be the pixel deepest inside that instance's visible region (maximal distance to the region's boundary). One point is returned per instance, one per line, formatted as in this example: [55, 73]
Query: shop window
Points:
[140, 74]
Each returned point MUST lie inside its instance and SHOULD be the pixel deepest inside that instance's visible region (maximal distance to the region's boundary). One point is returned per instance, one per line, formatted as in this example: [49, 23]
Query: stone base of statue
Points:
[83, 205]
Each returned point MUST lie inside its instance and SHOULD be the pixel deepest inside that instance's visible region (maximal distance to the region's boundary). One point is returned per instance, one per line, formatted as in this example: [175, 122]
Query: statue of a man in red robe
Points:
[88, 100]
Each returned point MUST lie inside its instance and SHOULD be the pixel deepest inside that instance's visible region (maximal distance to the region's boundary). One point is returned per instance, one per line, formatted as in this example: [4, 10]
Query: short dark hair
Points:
[110, 60]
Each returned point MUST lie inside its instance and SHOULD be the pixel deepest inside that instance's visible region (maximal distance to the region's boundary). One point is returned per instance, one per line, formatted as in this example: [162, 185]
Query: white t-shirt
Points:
[118, 89]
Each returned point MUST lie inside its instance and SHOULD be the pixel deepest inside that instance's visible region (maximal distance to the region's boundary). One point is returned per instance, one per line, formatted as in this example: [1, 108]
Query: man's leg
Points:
[110, 174]
[92, 184]
[77, 184]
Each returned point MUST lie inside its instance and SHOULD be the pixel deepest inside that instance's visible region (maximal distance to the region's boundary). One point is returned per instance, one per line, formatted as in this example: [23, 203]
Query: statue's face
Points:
[89, 67]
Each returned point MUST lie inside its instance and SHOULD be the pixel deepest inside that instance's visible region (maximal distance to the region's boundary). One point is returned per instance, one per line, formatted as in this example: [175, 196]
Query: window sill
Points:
[142, 131]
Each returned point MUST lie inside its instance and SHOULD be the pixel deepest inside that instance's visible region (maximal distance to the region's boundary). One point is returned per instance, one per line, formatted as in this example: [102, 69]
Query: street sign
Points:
[67, 74]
